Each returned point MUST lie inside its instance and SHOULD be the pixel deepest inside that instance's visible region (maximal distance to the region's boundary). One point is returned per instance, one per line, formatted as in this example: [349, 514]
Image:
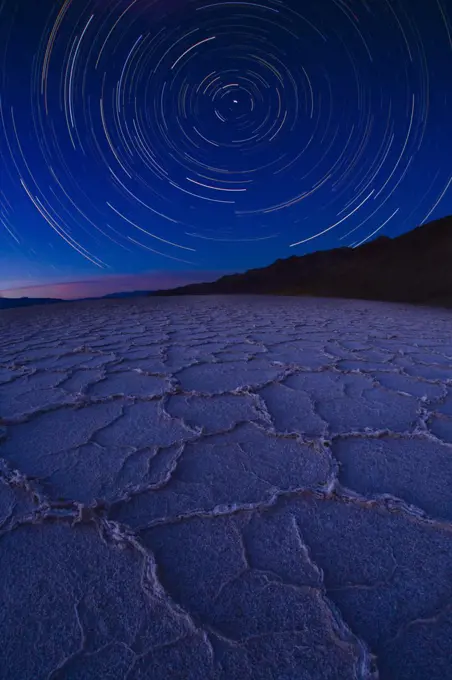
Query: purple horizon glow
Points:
[70, 290]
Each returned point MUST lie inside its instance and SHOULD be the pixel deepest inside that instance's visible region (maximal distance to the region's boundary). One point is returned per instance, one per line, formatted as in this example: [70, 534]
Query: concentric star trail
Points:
[205, 123]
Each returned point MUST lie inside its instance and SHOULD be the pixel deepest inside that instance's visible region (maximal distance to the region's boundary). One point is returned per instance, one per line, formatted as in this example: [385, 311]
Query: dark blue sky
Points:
[174, 140]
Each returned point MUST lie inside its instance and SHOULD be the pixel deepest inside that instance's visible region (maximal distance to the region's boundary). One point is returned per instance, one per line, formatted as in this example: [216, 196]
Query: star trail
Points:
[187, 136]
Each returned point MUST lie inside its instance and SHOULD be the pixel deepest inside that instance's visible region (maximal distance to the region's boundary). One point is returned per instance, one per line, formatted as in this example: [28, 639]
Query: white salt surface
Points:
[226, 488]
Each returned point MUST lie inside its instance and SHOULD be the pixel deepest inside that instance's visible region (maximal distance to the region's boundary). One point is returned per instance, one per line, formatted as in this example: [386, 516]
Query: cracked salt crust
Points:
[227, 488]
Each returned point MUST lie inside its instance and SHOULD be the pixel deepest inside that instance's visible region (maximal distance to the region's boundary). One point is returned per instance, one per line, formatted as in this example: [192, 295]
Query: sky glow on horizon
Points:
[157, 142]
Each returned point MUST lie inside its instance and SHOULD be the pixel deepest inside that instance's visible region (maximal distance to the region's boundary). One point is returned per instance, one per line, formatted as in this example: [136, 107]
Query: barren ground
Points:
[226, 489]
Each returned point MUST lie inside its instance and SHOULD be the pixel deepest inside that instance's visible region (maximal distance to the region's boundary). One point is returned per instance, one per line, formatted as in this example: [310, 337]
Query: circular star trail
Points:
[191, 130]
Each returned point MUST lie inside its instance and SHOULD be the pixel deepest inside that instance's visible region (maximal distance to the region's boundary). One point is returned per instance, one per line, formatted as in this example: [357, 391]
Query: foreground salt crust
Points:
[226, 488]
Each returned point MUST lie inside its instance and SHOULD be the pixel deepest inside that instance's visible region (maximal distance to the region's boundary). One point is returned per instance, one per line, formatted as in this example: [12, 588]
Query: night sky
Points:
[144, 144]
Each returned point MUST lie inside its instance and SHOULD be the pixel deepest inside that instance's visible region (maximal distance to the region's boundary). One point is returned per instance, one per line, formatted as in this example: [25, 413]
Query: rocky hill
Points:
[415, 267]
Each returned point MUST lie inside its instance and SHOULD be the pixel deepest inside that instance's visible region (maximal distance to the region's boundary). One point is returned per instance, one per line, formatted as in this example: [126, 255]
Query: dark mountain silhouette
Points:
[9, 303]
[127, 294]
[414, 267]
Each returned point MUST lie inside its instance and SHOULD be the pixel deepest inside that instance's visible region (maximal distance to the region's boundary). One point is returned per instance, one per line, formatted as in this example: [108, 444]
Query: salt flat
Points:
[226, 489]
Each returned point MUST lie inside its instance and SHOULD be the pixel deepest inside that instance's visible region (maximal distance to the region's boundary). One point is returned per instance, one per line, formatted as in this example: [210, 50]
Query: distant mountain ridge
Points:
[415, 267]
[131, 294]
[10, 303]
